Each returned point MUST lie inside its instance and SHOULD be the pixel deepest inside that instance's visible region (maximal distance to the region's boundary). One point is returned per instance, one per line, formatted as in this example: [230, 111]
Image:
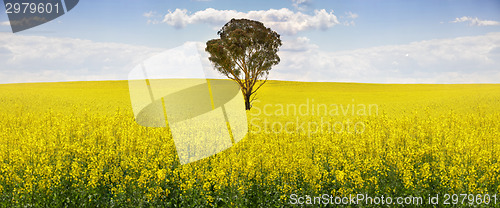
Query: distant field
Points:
[76, 143]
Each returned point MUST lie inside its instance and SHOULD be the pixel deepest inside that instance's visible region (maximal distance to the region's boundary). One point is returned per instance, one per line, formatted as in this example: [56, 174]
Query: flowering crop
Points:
[76, 143]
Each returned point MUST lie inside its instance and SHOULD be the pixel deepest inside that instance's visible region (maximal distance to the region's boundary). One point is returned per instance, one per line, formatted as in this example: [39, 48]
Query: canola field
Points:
[76, 144]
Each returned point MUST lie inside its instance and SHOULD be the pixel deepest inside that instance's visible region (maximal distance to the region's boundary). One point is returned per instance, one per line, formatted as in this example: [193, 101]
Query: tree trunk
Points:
[247, 96]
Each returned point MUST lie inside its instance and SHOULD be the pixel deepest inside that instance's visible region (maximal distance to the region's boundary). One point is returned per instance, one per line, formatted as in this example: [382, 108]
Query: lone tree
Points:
[245, 53]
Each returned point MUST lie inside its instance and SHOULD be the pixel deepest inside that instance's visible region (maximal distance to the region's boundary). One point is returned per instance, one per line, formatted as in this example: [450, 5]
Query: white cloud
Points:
[351, 15]
[37, 59]
[301, 4]
[473, 59]
[282, 20]
[301, 44]
[474, 21]
[349, 18]
[5, 23]
[149, 14]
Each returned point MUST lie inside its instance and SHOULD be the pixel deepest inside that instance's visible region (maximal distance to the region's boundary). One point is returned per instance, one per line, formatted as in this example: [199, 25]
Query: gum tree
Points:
[245, 53]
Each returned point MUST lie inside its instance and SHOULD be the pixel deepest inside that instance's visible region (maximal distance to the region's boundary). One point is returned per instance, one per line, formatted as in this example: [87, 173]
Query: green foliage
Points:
[245, 53]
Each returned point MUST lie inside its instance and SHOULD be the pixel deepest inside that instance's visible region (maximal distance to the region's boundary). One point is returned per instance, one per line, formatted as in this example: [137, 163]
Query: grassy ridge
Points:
[77, 143]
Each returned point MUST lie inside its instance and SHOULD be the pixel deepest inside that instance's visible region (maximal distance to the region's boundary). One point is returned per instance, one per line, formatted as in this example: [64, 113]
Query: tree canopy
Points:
[245, 53]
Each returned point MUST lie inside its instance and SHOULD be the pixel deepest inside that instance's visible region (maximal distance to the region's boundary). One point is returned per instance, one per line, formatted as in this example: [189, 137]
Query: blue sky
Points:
[342, 39]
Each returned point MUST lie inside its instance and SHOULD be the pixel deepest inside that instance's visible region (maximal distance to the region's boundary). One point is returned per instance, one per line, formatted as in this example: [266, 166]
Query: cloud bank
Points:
[474, 59]
[41, 59]
[282, 20]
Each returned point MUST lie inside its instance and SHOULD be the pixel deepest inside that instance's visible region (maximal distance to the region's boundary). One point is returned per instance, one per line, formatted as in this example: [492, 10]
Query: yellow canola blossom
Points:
[78, 143]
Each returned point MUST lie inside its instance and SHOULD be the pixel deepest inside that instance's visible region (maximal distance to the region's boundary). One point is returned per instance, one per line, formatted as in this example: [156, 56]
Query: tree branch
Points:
[263, 82]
